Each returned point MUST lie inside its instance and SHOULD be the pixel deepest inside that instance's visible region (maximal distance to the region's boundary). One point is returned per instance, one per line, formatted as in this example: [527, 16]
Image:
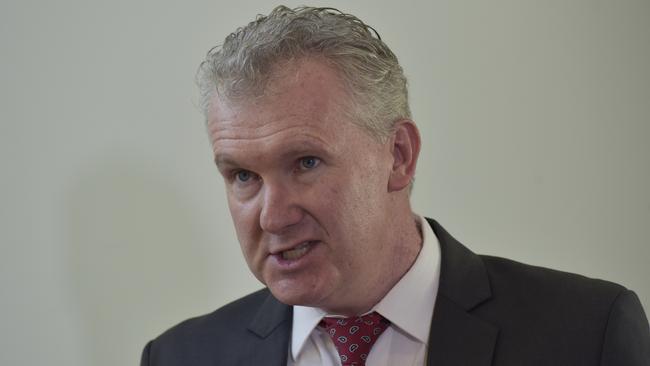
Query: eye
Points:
[309, 162]
[243, 176]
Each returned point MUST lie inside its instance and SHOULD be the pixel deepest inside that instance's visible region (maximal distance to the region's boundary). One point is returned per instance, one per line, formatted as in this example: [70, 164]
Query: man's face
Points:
[307, 189]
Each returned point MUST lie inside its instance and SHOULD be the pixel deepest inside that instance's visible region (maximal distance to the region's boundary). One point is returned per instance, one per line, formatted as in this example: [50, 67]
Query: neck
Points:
[400, 255]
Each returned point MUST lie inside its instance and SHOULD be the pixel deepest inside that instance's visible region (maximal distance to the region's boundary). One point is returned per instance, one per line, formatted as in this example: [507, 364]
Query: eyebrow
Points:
[222, 160]
[306, 148]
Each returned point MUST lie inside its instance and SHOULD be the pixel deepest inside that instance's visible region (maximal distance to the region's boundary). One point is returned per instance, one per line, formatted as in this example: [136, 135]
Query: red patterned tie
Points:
[353, 337]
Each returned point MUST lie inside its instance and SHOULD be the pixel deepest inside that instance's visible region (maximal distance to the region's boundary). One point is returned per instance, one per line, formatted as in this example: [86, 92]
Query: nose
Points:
[280, 209]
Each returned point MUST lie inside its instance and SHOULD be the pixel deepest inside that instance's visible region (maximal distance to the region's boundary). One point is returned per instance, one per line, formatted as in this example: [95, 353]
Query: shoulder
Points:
[541, 308]
[549, 316]
[229, 317]
[508, 276]
[464, 273]
[548, 296]
[200, 338]
[470, 279]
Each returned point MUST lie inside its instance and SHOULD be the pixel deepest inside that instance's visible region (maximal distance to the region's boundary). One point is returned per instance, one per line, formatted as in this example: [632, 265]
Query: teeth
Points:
[296, 252]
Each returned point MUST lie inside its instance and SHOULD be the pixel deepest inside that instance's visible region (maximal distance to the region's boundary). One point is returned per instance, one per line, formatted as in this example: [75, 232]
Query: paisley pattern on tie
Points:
[353, 337]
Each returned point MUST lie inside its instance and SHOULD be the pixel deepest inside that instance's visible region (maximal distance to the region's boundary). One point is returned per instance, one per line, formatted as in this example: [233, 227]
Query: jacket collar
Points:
[456, 336]
[271, 328]
[271, 315]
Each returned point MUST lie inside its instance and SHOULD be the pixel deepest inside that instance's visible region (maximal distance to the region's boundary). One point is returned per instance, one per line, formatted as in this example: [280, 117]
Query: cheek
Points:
[246, 225]
[363, 190]
[342, 211]
[248, 234]
[359, 203]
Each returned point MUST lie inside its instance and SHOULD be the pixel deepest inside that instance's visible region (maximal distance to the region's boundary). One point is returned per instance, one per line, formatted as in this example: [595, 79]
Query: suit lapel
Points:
[456, 336]
[271, 330]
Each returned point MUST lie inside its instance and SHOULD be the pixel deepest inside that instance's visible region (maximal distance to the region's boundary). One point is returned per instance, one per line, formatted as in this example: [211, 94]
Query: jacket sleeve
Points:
[627, 337]
[144, 360]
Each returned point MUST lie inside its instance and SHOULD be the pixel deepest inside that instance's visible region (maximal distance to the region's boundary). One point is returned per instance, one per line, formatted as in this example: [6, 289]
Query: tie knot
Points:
[353, 337]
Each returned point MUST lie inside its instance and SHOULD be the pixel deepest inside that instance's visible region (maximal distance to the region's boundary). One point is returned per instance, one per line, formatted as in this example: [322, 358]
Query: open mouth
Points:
[298, 251]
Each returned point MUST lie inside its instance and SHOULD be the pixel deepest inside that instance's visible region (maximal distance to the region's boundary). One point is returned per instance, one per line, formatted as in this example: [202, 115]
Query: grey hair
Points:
[243, 65]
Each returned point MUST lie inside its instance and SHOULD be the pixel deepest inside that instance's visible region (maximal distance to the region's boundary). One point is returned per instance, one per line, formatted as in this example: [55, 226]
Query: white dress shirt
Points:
[408, 306]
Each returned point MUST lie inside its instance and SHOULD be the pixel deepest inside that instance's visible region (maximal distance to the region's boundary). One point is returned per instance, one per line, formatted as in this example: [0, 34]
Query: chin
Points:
[292, 295]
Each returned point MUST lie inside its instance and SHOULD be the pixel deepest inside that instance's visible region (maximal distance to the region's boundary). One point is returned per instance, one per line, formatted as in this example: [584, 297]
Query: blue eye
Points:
[243, 175]
[309, 162]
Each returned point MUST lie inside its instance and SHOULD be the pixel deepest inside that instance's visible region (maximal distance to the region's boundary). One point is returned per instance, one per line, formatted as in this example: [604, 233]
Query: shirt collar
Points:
[419, 285]
[409, 304]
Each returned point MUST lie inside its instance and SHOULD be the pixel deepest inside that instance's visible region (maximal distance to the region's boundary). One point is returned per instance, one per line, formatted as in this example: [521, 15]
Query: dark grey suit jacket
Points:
[489, 311]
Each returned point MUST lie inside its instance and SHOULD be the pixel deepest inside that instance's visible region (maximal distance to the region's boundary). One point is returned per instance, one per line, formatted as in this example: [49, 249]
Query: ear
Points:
[405, 149]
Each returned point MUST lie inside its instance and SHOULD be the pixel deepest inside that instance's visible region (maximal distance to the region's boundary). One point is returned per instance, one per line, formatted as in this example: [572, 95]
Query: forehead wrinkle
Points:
[235, 133]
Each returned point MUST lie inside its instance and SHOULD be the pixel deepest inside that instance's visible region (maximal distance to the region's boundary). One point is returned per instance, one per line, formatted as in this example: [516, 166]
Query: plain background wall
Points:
[114, 226]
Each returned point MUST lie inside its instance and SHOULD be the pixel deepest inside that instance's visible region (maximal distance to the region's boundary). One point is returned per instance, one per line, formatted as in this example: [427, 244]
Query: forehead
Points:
[305, 99]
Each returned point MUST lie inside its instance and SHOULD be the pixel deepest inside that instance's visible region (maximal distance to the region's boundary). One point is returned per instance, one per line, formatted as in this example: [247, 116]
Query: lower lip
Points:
[294, 263]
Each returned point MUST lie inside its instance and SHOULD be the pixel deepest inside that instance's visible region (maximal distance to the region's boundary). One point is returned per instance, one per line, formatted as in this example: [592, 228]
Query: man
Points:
[308, 117]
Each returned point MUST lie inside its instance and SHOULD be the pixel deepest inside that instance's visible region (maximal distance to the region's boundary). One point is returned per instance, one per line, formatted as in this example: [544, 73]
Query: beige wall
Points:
[535, 115]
